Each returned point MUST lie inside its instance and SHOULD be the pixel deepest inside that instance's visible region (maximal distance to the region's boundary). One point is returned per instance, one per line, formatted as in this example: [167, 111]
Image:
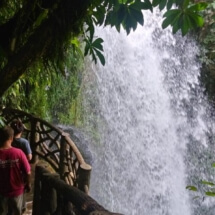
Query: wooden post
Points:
[48, 195]
[63, 147]
[37, 191]
[84, 177]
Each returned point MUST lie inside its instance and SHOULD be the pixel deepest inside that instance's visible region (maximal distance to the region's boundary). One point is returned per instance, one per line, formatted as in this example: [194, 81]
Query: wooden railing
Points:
[64, 192]
[53, 196]
[55, 147]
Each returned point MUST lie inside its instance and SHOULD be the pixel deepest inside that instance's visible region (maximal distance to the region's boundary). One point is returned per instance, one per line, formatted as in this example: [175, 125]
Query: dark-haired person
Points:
[20, 142]
[14, 168]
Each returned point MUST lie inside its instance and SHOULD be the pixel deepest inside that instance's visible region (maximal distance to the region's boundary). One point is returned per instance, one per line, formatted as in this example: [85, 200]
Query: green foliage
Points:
[207, 183]
[207, 41]
[185, 18]
[94, 48]
[8, 9]
[127, 14]
[24, 23]
[49, 95]
[206, 188]
[2, 121]
[62, 95]
[60, 54]
[193, 188]
[14, 97]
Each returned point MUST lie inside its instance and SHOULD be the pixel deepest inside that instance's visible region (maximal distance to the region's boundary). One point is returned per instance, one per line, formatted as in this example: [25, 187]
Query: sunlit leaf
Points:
[210, 193]
[207, 183]
[198, 7]
[199, 21]
[193, 188]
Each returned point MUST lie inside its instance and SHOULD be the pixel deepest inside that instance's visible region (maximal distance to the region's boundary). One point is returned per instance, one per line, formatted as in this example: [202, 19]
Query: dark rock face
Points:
[80, 140]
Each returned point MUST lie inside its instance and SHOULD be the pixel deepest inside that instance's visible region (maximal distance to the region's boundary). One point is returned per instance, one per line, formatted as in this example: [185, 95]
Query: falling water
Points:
[146, 112]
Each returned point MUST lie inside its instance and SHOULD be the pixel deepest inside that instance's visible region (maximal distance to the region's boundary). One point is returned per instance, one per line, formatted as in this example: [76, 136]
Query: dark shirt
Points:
[22, 144]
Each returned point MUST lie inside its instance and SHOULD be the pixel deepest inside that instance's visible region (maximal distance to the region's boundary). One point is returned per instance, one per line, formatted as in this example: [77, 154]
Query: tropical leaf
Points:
[171, 19]
[98, 43]
[162, 4]
[210, 193]
[192, 188]
[169, 4]
[146, 5]
[99, 14]
[185, 26]
[129, 23]
[185, 4]
[100, 56]
[207, 183]
[198, 20]
[137, 15]
[121, 13]
[94, 49]
[198, 7]
[155, 2]
[172, 12]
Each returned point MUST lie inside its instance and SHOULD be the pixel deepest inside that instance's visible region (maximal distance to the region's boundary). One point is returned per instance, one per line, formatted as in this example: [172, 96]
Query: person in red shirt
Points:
[14, 170]
[23, 144]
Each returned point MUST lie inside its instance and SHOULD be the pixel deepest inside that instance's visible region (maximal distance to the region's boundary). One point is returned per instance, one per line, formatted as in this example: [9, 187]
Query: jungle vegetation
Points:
[43, 44]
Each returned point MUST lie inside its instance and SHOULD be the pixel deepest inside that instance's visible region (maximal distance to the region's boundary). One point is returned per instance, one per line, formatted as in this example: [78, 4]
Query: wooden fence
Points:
[55, 147]
[64, 192]
[54, 197]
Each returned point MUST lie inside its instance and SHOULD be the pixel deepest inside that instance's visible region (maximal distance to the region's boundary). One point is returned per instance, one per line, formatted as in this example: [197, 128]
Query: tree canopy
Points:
[43, 30]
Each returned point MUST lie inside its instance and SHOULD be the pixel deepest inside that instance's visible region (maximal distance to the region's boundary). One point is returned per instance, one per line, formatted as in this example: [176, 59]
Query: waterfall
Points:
[150, 122]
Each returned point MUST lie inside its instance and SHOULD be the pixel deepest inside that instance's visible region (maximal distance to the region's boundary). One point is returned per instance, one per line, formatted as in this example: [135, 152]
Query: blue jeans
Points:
[11, 205]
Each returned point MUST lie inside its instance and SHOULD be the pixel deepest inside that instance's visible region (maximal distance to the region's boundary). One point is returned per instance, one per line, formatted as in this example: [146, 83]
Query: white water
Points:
[144, 108]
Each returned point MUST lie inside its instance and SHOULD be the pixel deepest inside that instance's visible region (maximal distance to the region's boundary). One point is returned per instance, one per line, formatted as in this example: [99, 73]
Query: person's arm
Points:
[28, 182]
[26, 171]
[29, 157]
[28, 150]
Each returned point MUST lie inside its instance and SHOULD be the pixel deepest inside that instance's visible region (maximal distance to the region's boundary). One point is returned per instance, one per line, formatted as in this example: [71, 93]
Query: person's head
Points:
[6, 133]
[17, 126]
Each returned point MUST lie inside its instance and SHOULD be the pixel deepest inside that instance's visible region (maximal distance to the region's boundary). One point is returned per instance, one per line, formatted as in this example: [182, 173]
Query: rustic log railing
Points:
[54, 146]
[53, 196]
[64, 192]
